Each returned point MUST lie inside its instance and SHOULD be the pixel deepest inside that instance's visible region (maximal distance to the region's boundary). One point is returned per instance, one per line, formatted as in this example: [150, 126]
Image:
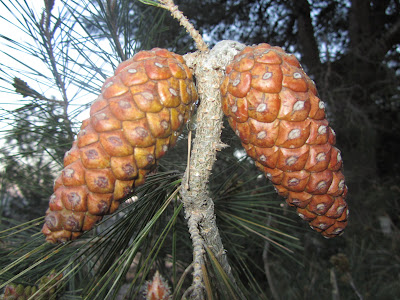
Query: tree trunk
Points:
[305, 35]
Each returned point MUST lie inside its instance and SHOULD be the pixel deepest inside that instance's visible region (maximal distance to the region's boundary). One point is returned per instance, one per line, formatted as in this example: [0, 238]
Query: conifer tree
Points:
[206, 223]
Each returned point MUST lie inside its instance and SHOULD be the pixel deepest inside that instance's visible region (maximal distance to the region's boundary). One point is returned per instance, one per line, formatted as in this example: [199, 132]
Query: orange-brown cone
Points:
[157, 288]
[138, 116]
[273, 107]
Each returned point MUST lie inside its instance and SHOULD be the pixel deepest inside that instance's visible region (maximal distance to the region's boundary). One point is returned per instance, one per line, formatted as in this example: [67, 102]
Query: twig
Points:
[183, 276]
[47, 36]
[187, 292]
[111, 14]
[188, 157]
[177, 14]
[353, 286]
[198, 251]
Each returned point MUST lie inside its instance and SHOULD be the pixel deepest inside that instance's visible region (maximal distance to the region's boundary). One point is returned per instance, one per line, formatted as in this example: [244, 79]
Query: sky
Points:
[10, 100]
[31, 68]
[11, 31]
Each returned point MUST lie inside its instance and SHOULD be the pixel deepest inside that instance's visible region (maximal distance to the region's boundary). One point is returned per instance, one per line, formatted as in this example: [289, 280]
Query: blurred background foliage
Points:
[55, 56]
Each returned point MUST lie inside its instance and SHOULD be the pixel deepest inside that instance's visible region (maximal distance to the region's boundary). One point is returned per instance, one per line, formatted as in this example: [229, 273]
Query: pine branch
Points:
[47, 37]
[199, 207]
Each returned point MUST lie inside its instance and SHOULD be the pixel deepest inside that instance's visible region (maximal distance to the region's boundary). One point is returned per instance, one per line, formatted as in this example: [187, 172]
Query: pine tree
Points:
[253, 248]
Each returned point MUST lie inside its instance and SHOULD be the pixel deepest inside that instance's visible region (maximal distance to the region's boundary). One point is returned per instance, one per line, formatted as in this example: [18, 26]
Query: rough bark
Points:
[199, 207]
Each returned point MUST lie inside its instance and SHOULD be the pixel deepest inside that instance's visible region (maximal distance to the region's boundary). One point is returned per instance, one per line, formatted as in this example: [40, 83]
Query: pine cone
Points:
[12, 291]
[272, 105]
[21, 292]
[157, 288]
[137, 117]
